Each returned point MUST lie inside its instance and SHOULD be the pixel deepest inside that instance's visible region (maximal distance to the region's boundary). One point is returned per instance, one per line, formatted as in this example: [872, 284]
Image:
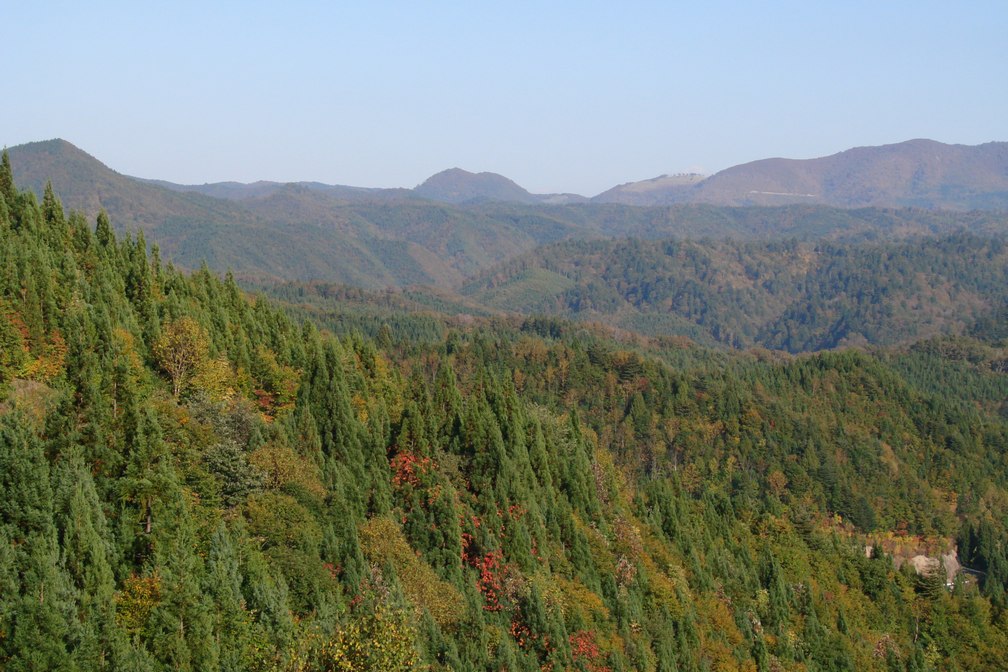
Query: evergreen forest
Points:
[196, 475]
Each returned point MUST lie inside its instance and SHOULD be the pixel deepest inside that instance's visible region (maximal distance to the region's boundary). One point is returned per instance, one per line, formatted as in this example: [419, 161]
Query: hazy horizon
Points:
[566, 98]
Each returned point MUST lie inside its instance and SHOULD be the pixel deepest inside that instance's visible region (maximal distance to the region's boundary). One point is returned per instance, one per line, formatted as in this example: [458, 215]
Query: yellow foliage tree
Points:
[381, 641]
[181, 349]
[216, 378]
[50, 361]
[281, 466]
[136, 600]
[383, 542]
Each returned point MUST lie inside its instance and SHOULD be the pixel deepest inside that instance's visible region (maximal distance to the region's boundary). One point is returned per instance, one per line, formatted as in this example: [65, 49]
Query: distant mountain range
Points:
[457, 224]
[365, 237]
[915, 173]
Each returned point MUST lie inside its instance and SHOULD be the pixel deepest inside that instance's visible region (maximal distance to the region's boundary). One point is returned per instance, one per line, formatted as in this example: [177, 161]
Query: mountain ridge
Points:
[918, 173]
[914, 173]
[375, 238]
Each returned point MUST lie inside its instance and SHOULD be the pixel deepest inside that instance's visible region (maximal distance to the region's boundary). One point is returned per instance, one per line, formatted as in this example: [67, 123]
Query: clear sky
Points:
[558, 96]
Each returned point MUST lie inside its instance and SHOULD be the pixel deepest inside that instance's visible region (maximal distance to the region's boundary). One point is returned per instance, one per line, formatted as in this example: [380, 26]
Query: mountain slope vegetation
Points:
[783, 295]
[375, 238]
[191, 479]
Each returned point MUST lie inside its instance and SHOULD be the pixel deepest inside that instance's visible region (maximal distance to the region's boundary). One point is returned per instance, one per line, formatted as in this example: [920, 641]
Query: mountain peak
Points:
[49, 150]
[456, 185]
[78, 177]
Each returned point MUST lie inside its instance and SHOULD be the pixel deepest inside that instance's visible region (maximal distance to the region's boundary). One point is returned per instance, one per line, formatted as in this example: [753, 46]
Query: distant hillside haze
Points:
[460, 186]
[916, 173]
[662, 190]
[86, 184]
[266, 230]
[239, 191]
[458, 224]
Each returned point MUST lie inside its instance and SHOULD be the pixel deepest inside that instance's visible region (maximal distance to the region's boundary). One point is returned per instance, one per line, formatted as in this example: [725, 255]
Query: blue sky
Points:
[559, 96]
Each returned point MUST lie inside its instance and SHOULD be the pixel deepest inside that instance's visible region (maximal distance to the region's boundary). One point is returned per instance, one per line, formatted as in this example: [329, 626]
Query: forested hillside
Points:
[195, 479]
[377, 238]
[785, 295]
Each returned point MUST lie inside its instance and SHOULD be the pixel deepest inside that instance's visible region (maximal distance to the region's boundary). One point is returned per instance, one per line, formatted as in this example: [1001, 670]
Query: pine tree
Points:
[7, 189]
[100, 643]
[266, 596]
[180, 626]
[104, 233]
[232, 622]
[148, 476]
[773, 583]
[52, 211]
[5, 214]
[38, 600]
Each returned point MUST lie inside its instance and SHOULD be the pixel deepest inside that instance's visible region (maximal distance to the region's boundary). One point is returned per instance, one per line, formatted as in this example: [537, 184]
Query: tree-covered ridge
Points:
[393, 238]
[190, 479]
[783, 295]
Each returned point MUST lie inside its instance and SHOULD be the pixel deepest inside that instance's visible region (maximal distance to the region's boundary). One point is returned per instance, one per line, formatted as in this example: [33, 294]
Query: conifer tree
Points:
[52, 211]
[181, 623]
[100, 643]
[149, 476]
[232, 622]
[104, 233]
[38, 604]
[7, 189]
[5, 214]
[266, 597]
